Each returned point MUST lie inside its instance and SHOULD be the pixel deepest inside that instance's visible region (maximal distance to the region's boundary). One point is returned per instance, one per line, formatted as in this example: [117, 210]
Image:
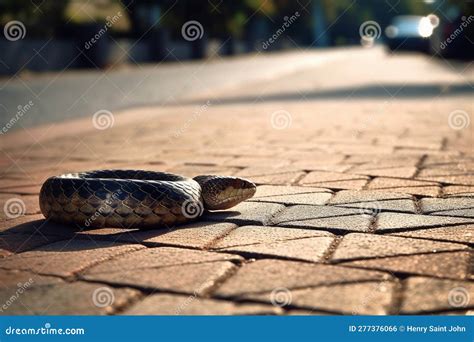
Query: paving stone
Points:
[358, 246]
[267, 275]
[351, 196]
[334, 180]
[159, 257]
[309, 249]
[65, 299]
[37, 225]
[246, 213]
[15, 278]
[17, 243]
[462, 206]
[368, 298]
[454, 179]
[398, 221]
[426, 295]
[350, 223]
[249, 235]
[374, 201]
[306, 212]
[308, 198]
[264, 191]
[197, 235]
[187, 278]
[408, 186]
[458, 191]
[463, 233]
[402, 172]
[167, 304]
[65, 258]
[444, 265]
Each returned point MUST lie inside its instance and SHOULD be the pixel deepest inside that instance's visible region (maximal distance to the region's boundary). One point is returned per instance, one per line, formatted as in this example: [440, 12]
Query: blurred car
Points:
[409, 32]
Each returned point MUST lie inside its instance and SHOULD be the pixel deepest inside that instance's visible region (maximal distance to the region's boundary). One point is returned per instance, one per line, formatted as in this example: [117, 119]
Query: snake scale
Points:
[136, 198]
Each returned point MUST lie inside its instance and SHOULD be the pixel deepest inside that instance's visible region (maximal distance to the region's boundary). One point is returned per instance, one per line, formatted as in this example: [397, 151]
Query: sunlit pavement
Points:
[365, 201]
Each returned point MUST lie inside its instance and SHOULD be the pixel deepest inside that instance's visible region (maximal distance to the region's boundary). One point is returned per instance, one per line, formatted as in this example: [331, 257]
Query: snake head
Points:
[219, 192]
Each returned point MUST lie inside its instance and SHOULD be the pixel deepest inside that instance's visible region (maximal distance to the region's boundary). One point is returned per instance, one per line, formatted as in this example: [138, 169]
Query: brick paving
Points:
[365, 201]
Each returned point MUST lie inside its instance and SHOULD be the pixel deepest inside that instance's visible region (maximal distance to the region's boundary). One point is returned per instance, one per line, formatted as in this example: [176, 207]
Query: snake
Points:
[137, 198]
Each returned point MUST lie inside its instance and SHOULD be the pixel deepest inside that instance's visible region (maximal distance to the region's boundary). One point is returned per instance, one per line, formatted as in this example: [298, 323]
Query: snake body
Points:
[136, 198]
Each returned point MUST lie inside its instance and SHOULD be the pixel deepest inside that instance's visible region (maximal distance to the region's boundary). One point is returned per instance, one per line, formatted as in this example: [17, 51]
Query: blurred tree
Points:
[40, 17]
